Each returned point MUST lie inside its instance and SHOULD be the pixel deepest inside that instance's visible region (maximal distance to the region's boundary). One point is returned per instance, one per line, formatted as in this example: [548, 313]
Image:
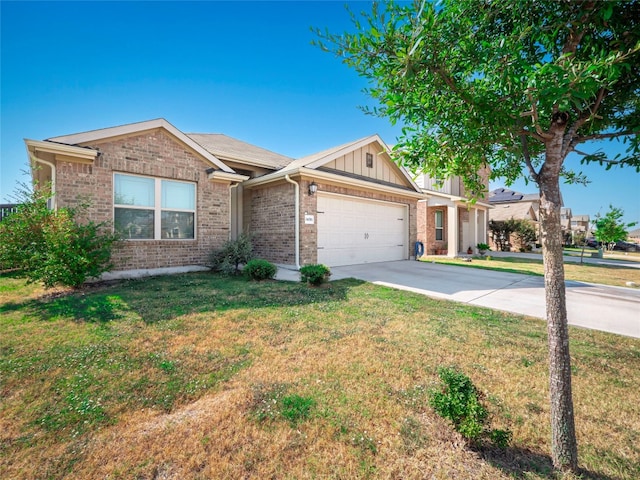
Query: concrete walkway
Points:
[599, 307]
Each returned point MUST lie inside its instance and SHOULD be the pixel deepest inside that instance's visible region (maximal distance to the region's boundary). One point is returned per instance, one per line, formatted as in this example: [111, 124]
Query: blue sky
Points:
[245, 69]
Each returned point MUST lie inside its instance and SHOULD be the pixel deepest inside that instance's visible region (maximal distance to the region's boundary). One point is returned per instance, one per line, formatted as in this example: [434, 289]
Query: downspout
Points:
[53, 177]
[231, 211]
[297, 218]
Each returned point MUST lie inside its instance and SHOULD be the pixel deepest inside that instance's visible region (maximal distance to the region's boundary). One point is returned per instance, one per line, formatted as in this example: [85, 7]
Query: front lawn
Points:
[201, 376]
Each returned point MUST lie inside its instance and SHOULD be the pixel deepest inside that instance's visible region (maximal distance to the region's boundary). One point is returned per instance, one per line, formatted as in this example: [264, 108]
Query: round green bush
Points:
[314, 274]
[258, 269]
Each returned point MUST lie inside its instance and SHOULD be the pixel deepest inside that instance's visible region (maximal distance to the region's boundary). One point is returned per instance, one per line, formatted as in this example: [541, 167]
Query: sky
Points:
[245, 69]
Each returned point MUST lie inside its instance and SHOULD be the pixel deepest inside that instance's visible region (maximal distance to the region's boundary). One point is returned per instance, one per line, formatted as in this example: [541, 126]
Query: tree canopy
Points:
[473, 83]
[610, 228]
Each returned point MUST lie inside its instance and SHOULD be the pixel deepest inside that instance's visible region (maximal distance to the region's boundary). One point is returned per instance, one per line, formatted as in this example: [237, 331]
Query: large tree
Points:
[516, 86]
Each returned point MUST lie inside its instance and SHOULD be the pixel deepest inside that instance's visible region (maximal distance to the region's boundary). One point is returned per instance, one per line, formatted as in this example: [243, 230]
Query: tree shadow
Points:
[162, 298]
[519, 462]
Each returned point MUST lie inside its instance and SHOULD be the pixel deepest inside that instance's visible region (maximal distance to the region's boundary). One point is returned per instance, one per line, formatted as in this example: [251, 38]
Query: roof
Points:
[500, 195]
[131, 128]
[516, 210]
[634, 233]
[315, 161]
[228, 148]
[580, 218]
[325, 156]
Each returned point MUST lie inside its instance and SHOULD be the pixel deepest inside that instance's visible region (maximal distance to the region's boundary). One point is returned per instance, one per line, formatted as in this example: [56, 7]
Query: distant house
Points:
[634, 236]
[6, 209]
[507, 204]
[174, 197]
[579, 226]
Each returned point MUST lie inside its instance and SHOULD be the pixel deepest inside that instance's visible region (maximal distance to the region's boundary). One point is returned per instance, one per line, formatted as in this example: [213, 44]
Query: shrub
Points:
[51, 246]
[314, 274]
[258, 269]
[233, 253]
[458, 401]
[482, 247]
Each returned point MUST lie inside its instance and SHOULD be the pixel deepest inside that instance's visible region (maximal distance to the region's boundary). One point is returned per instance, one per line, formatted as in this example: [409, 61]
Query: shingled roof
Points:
[228, 148]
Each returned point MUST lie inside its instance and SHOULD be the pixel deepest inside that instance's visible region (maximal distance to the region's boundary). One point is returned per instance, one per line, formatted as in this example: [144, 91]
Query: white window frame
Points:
[157, 208]
[441, 227]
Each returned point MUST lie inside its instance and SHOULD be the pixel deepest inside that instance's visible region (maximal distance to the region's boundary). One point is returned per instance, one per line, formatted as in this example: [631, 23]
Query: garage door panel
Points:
[352, 231]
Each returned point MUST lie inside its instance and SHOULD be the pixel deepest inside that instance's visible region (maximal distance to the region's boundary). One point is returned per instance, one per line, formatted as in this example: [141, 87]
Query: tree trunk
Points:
[564, 447]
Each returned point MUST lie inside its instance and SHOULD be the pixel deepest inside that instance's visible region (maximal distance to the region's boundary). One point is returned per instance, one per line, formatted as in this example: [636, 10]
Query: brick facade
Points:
[426, 226]
[272, 217]
[155, 154]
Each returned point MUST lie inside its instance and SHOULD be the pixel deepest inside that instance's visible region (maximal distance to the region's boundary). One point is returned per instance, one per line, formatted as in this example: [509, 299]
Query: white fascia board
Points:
[35, 146]
[431, 194]
[219, 175]
[104, 133]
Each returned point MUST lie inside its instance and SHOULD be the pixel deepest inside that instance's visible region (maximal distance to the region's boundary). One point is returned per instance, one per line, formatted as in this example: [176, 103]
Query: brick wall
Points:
[155, 154]
[272, 219]
[271, 225]
[427, 228]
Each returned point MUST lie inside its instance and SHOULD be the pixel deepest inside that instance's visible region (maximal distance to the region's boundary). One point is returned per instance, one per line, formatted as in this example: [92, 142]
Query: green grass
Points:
[203, 376]
[591, 273]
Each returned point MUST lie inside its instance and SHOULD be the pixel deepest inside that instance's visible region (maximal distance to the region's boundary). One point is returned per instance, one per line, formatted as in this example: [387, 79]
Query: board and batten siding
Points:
[355, 162]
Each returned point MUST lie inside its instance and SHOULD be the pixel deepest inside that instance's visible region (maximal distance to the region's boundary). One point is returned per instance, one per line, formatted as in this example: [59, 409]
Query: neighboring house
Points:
[634, 236]
[508, 204]
[175, 197]
[565, 223]
[579, 226]
[7, 209]
[447, 223]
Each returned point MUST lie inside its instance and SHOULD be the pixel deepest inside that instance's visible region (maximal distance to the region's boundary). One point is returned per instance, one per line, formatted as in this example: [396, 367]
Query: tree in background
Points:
[610, 228]
[52, 246]
[517, 86]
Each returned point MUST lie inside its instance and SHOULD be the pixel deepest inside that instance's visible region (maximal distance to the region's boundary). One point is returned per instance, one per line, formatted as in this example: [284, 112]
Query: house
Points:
[580, 227]
[447, 223]
[175, 197]
[508, 204]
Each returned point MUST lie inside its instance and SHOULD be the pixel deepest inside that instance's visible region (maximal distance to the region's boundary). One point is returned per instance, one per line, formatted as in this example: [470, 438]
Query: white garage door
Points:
[353, 230]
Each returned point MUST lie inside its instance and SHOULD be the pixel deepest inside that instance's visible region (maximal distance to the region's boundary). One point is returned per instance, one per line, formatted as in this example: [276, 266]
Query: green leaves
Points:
[469, 80]
[610, 228]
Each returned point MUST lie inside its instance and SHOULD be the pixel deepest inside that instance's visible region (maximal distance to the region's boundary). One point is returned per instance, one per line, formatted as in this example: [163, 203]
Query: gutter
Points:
[297, 219]
[333, 178]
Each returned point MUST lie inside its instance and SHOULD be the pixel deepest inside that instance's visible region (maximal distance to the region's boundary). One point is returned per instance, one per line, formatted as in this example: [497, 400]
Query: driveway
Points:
[599, 307]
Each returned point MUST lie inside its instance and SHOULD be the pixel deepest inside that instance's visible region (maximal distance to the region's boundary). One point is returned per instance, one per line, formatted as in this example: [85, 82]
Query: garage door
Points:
[353, 230]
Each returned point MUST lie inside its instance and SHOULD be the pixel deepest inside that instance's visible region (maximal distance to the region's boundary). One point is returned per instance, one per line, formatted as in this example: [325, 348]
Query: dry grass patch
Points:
[199, 376]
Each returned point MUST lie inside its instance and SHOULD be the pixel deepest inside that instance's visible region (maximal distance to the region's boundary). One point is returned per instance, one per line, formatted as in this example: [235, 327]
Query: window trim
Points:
[157, 208]
[439, 228]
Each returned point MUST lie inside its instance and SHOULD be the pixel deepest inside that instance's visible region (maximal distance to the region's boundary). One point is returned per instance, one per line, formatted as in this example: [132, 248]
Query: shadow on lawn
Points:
[163, 298]
[518, 462]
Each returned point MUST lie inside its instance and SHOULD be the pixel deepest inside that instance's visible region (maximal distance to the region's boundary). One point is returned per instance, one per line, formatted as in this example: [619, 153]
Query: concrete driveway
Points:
[600, 307]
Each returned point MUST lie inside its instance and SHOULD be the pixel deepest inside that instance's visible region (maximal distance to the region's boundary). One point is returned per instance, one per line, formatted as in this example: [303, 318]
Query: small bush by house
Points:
[315, 274]
[259, 269]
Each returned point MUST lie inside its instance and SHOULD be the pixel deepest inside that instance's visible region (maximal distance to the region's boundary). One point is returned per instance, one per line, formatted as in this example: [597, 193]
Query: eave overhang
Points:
[332, 178]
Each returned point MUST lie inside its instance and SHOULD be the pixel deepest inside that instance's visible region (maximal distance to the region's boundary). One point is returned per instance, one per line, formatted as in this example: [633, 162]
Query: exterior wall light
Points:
[313, 188]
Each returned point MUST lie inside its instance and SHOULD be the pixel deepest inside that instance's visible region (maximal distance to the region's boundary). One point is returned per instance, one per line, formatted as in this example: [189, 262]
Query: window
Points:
[148, 208]
[369, 157]
[439, 225]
